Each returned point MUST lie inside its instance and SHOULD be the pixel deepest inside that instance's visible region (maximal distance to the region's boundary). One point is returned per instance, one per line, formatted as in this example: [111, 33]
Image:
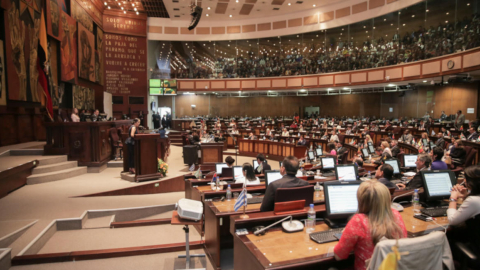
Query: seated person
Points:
[437, 155]
[302, 141]
[384, 175]
[285, 132]
[383, 155]
[375, 220]
[457, 153]
[234, 130]
[249, 177]
[358, 162]
[348, 131]
[220, 138]
[424, 136]
[229, 160]
[446, 132]
[440, 143]
[333, 137]
[289, 169]
[395, 149]
[262, 165]
[473, 135]
[251, 136]
[406, 137]
[340, 151]
[74, 116]
[332, 149]
[386, 147]
[374, 127]
[293, 125]
[423, 163]
[268, 132]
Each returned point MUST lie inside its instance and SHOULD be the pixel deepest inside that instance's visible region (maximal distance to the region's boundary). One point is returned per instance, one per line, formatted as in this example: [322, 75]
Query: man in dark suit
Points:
[340, 151]
[262, 165]
[459, 120]
[384, 175]
[395, 149]
[472, 134]
[289, 169]
[423, 164]
[156, 120]
[164, 121]
[169, 121]
[440, 141]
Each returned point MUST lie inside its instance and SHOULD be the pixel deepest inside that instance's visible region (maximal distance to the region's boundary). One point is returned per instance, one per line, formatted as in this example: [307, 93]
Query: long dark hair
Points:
[249, 173]
[331, 146]
[472, 175]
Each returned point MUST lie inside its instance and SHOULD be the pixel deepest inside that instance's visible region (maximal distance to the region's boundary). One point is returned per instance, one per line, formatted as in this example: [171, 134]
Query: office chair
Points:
[295, 194]
[117, 144]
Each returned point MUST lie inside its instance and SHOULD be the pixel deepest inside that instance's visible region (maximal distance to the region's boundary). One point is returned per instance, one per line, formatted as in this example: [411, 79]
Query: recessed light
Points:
[208, 8]
[206, 15]
[424, 81]
[314, 5]
[289, 4]
[230, 15]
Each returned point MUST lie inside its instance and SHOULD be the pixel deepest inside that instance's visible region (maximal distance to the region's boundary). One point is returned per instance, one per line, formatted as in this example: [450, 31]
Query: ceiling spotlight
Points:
[230, 15]
[119, 4]
[314, 5]
[105, 3]
[108, 7]
[137, 13]
[135, 9]
[124, 12]
[208, 8]
[122, 8]
[206, 15]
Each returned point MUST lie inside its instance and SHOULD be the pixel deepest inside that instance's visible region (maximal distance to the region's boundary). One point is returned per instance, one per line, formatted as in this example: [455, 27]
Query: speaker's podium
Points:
[148, 148]
[210, 153]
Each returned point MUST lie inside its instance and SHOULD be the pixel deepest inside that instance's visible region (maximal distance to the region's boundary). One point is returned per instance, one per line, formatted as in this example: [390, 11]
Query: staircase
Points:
[54, 169]
[175, 138]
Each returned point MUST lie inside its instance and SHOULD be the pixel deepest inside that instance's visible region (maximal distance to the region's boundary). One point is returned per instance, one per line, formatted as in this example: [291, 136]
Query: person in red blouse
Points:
[374, 211]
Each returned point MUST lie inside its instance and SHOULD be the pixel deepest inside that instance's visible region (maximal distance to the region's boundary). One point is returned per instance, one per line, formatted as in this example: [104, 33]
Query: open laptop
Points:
[272, 176]
[346, 172]
[237, 173]
[409, 161]
[219, 166]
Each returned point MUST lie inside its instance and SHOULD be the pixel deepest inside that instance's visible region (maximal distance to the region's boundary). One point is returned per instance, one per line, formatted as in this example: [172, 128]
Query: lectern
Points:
[148, 148]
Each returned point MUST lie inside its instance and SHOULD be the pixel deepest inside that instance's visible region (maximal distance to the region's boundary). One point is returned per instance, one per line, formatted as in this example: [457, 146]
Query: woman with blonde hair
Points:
[374, 221]
[368, 138]
[386, 147]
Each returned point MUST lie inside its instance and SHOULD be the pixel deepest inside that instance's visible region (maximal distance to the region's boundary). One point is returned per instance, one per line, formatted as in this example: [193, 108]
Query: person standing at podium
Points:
[132, 131]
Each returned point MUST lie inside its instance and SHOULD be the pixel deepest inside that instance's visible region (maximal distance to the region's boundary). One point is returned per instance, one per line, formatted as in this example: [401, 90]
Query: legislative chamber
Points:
[235, 135]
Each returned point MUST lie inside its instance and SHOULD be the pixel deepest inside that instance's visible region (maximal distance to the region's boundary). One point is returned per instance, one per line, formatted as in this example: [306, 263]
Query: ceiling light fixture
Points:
[314, 5]
[124, 5]
[230, 15]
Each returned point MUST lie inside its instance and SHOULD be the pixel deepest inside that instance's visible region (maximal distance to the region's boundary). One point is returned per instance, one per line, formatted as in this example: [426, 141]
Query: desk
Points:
[86, 142]
[408, 148]
[279, 250]
[211, 153]
[272, 150]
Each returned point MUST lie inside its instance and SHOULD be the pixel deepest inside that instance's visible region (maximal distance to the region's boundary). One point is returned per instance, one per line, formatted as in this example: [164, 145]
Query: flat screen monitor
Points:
[237, 172]
[272, 176]
[371, 149]
[394, 164]
[328, 163]
[170, 87]
[154, 91]
[409, 161]
[311, 155]
[425, 142]
[255, 164]
[347, 172]
[370, 143]
[219, 166]
[365, 152]
[155, 83]
[319, 152]
[341, 198]
[438, 184]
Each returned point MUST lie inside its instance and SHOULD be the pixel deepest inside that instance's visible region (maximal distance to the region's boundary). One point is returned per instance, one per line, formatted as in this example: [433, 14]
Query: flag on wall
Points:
[42, 66]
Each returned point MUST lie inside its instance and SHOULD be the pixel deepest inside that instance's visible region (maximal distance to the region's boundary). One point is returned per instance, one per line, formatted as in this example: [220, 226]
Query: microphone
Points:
[289, 226]
[408, 193]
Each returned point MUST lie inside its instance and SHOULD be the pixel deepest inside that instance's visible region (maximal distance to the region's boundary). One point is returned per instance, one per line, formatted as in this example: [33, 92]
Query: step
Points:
[100, 222]
[55, 176]
[55, 167]
[176, 140]
[26, 152]
[52, 160]
[115, 164]
[177, 144]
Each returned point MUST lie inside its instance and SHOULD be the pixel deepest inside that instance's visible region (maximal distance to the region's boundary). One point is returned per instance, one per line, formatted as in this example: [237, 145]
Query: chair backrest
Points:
[470, 157]
[295, 194]
[392, 190]
[114, 135]
[430, 251]
[227, 172]
[344, 157]
[400, 158]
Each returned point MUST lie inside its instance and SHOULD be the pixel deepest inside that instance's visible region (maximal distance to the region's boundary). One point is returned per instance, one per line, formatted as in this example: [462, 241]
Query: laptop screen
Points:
[328, 163]
[346, 173]
[272, 176]
[409, 161]
[319, 151]
[394, 164]
[219, 166]
[237, 172]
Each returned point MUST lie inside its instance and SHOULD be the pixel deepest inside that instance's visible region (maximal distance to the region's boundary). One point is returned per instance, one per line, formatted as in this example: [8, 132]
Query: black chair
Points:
[295, 194]
[227, 172]
[117, 145]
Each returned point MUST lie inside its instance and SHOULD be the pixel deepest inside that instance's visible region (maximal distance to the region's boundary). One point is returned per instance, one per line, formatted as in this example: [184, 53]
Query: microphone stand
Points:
[268, 227]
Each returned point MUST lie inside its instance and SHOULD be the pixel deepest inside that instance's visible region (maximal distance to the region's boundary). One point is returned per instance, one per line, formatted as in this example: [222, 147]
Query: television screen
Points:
[156, 91]
[170, 87]
[155, 83]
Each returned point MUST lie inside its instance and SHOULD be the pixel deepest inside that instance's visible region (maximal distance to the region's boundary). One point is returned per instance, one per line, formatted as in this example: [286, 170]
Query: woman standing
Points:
[132, 131]
[375, 220]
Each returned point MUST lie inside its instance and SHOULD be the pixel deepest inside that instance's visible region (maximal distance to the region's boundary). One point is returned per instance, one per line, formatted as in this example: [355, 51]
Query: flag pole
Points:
[244, 216]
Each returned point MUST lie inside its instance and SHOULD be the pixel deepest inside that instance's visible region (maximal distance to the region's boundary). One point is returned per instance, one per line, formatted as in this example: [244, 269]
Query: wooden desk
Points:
[272, 150]
[211, 153]
[279, 250]
[86, 142]
[408, 148]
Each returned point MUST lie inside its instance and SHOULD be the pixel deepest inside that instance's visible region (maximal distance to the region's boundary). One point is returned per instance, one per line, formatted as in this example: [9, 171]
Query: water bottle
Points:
[317, 190]
[312, 216]
[369, 175]
[229, 193]
[416, 203]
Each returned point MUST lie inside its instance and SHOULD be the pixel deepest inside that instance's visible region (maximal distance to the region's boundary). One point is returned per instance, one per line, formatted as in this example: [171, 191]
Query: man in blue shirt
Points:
[437, 155]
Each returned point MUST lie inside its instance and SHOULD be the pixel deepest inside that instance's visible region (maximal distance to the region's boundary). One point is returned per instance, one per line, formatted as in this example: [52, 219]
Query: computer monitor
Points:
[311, 155]
[432, 145]
[346, 172]
[219, 166]
[227, 172]
[365, 152]
[409, 161]
[272, 176]
[255, 164]
[328, 163]
[437, 185]
[371, 149]
[394, 163]
[370, 143]
[425, 142]
[237, 172]
[340, 201]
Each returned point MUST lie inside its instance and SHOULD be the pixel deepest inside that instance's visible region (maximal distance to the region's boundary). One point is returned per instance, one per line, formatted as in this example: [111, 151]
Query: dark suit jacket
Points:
[287, 181]
[304, 142]
[266, 167]
[473, 136]
[395, 151]
[387, 183]
[341, 151]
[440, 143]
[416, 182]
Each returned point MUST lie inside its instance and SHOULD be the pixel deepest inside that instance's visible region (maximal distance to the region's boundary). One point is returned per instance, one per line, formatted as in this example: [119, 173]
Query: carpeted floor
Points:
[54, 200]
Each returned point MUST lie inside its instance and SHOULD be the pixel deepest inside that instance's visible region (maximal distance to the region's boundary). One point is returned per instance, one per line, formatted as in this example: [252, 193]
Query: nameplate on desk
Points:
[248, 129]
[307, 137]
[275, 140]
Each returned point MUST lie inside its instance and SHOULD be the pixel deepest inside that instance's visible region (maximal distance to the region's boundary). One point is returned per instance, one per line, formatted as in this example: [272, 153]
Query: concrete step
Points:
[175, 140]
[100, 222]
[55, 176]
[54, 167]
[26, 152]
[177, 144]
[115, 164]
[52, 160]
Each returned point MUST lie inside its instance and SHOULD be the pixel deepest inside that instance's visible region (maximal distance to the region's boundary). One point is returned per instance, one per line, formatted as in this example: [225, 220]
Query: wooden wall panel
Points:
[309, 81]
[456, 60]
[432, 67]
[471, 60]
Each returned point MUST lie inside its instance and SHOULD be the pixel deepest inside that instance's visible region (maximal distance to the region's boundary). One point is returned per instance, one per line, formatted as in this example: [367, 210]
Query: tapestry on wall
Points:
[54, 22]
[86, 54]
[68, 49]
[22, 28]
[53, 73]
[3, 87]
[99, 57]
[83, 98]
[79, 14]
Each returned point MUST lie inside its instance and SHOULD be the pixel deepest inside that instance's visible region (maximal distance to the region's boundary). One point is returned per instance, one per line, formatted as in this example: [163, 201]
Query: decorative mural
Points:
[86, 54]
[83, 98]
[99, 67]
[68, 49]
[54, 26]
[79, 14]
[3, 87]
[53, 73]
